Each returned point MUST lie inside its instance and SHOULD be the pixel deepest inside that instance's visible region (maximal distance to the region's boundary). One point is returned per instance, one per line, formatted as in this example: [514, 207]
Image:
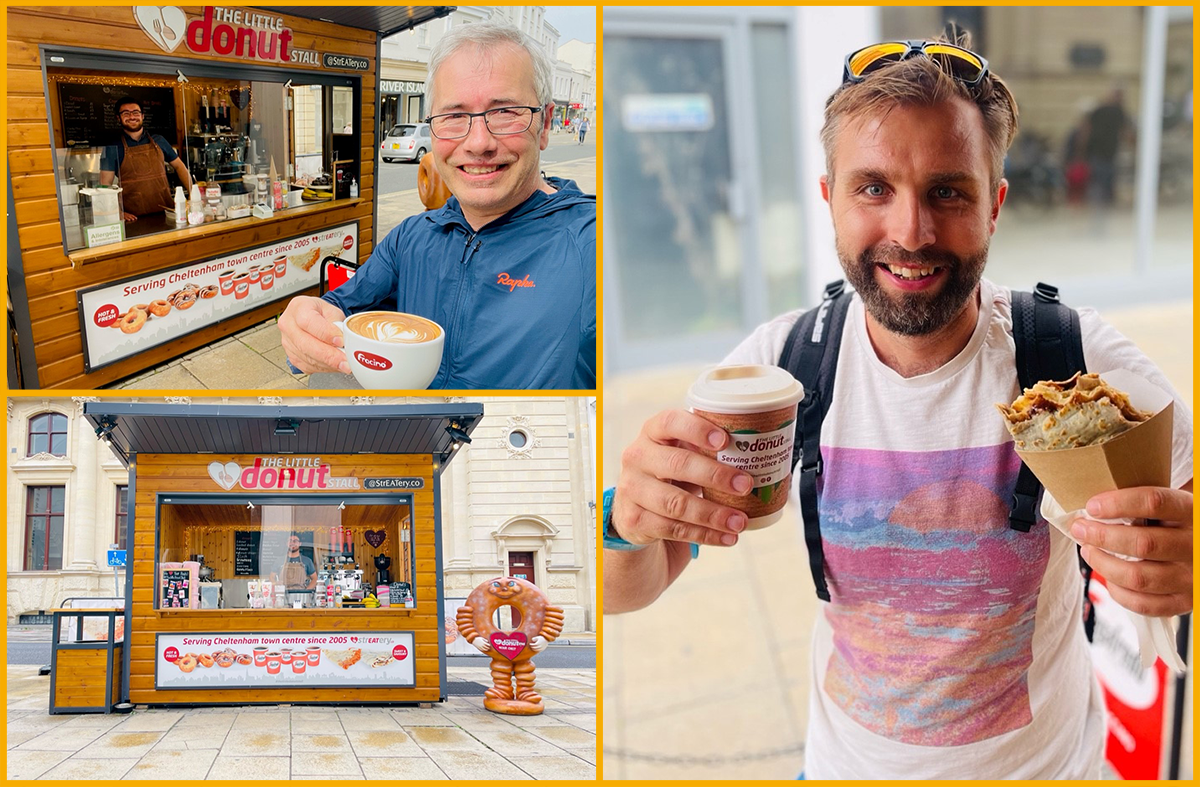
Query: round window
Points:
[517, 438]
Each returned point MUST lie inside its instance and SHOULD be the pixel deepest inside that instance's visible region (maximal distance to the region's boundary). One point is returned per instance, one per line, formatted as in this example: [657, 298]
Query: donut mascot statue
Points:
[538, 624]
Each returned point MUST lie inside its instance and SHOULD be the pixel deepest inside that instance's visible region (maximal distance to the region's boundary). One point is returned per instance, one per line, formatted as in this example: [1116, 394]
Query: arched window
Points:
[47, 434]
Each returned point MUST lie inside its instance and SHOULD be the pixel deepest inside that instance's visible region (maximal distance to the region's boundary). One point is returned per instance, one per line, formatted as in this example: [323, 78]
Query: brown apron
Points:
[144, 186]
[294, 576]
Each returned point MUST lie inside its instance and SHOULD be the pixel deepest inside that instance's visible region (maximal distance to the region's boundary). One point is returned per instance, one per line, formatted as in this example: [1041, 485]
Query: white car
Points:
[407, 142]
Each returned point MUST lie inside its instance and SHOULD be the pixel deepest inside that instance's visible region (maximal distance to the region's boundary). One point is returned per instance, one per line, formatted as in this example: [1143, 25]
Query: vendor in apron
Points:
[141, 159]
[298, 573]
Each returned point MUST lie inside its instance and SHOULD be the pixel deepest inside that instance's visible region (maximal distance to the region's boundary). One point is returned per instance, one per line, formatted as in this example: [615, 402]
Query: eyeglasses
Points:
[130, 113]
[962, 64]
[499, 121]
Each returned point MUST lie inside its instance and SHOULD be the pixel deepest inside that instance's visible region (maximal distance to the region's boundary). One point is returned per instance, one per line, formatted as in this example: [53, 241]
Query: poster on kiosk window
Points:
[133, 315]
[284, 660]
[1139, 702]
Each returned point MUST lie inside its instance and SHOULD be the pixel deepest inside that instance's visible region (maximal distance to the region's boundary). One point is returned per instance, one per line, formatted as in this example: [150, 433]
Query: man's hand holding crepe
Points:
[1160, 582]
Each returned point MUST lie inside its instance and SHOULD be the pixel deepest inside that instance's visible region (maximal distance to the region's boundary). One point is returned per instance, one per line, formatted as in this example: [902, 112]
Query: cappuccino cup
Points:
[757, 406]
[392, 349]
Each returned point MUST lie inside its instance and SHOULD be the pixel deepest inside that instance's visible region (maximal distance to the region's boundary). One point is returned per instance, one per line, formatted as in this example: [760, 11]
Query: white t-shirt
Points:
[952, 646]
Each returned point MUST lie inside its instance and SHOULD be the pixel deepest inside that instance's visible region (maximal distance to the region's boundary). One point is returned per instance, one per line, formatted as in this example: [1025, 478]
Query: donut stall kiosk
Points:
[284, 554]
[176, 174]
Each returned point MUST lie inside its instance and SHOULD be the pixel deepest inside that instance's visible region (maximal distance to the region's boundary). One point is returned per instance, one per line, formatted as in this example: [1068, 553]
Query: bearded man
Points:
[945, 627]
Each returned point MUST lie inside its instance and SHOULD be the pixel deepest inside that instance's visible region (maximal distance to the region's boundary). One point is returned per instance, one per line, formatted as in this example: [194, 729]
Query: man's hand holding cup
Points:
[311, 340]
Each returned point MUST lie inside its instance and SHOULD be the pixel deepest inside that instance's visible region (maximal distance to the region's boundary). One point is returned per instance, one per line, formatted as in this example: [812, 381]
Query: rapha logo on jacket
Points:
[504, 280]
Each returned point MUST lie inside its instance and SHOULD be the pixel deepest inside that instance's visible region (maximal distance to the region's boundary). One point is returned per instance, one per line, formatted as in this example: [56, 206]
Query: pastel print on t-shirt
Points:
[933, 594]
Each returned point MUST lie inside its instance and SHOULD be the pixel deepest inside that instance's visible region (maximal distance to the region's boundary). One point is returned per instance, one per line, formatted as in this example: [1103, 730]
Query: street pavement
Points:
[455, 739]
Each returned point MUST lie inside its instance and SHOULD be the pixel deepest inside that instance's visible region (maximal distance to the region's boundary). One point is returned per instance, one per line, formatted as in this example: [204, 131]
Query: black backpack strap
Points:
[810, 355]
[1049, 347]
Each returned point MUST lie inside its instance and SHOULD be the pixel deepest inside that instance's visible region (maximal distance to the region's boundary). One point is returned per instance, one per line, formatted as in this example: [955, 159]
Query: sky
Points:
[573, 22]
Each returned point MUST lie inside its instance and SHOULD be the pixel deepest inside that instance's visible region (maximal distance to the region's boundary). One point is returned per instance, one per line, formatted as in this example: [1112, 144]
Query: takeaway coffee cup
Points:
[314, 655]
[757, 406]
[392, 349]
[260, 656]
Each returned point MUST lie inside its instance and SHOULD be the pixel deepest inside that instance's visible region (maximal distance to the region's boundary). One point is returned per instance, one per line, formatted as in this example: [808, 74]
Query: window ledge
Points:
[180, 236]
[43, 467]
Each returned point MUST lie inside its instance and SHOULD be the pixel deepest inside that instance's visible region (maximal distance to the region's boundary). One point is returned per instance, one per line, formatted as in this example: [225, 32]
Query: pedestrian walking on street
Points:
[583, 129]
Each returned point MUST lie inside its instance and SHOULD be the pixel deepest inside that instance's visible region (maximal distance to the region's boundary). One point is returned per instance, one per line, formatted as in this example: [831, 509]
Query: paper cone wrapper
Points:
[1140, 456]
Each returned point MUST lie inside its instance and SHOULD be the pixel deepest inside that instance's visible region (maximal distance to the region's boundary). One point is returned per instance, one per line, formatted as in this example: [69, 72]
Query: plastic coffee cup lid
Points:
[744, 389]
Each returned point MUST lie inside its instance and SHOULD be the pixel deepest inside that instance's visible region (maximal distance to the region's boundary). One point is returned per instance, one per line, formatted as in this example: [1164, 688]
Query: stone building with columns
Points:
[521, 496]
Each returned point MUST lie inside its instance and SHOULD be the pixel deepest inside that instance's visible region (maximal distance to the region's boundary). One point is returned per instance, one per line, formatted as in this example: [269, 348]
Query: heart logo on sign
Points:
[742, 445]
[226, 475]
[375, 537]
[354, 639]
[508, 645]
[165, 25]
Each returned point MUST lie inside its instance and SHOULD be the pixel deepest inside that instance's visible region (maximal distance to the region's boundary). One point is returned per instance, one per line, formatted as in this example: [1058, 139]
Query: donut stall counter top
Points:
[284, 554]
[177, 173]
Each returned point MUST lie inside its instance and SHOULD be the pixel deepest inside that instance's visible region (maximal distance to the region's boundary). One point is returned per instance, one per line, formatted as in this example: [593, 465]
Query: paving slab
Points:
[324, 725]
[263, 338]
[320, 743]
[333, 765]
[257, 744]
[373, 719]
[250, 769]
[444, 739]
[118, 745]
[172, 378]
[401, 768]
[173, 765]
[422, 717]
[476, 765]
[383, 743]
[191, 738]
[89, 770]
[32, 764]
[149, 721]
[561, 767]
[515, 742]
[56, 740]
[565, 736]
[234, 366]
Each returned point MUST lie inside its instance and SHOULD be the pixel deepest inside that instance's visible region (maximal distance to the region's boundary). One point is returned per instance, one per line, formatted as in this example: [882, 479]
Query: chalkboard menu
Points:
[176, 588]
[89, 118]
[397, 592]
[245, 552]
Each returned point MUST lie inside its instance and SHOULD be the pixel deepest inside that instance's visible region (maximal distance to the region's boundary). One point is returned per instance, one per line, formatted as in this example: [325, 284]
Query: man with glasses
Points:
[141, 159]
[508, 266]
[951, 644]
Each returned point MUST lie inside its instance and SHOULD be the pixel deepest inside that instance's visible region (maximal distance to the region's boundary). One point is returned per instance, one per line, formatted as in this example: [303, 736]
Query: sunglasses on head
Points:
[962, 64]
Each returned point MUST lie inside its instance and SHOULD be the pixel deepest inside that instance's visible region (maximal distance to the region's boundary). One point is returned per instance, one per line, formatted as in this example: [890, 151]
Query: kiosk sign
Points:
[273, 473]
[224, 660]
[136, 314]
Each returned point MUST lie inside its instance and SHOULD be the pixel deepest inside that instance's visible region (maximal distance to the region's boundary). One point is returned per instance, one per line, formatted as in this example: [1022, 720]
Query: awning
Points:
[386, 19]
[135, 428]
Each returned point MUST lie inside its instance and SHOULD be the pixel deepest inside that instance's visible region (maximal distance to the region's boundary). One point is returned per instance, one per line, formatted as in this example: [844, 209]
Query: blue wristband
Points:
[611, 539]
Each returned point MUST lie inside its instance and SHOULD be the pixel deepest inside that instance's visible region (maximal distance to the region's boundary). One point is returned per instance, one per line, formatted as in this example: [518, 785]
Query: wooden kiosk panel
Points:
[159, 477]
[53, 275]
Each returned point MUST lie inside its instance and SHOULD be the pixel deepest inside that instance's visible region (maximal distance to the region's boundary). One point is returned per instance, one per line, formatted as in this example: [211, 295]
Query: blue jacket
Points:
[517, 299]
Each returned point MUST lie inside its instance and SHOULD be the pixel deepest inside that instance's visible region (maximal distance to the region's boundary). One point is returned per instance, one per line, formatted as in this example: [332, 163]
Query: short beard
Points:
[914, 313]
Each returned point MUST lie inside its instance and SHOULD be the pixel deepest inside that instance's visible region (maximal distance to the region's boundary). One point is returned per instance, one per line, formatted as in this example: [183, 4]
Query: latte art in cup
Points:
[392, 349]
[393, 327]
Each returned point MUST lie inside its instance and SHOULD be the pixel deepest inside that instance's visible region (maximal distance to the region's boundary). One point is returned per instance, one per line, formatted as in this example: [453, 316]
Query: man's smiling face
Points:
[130, 118]
[913, 211]
[490, 175]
